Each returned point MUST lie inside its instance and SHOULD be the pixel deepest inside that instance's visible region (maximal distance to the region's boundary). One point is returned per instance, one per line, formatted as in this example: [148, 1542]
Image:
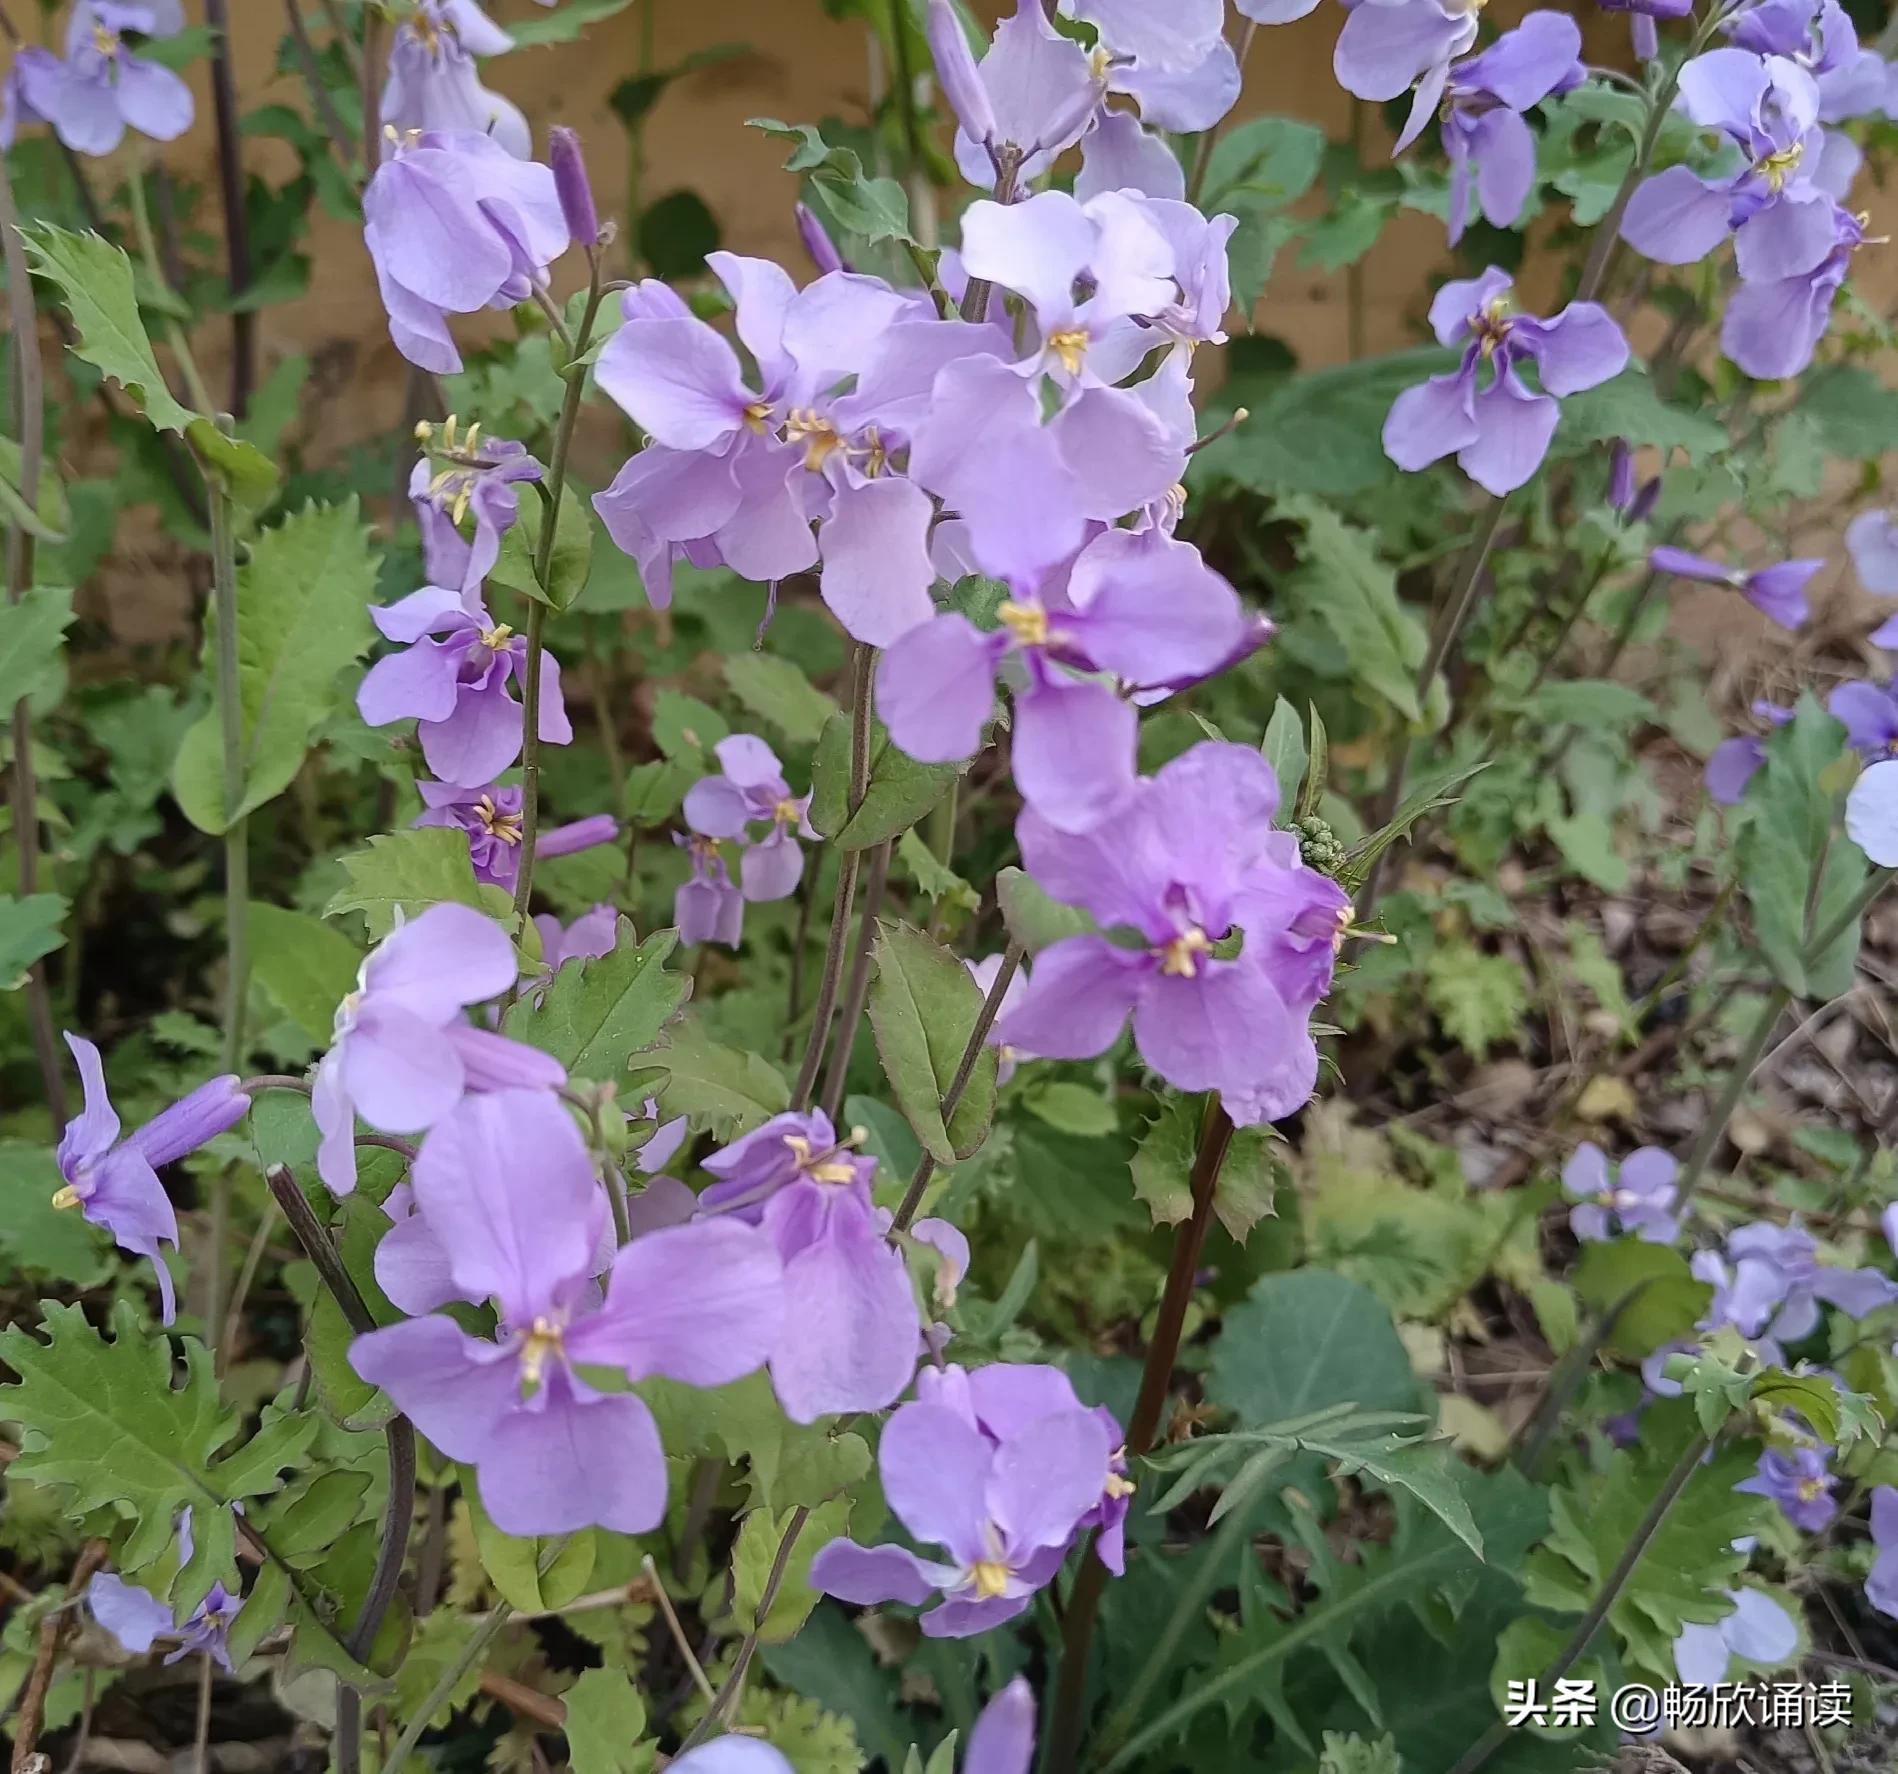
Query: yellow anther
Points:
[1492, 323]
[505, 826]
[1118, 1486]
[497, 637]
[66, 1197]
[821, 438]
[757, 415]
[424, 431]
[1028, 623]
[1777, 168]
[991, 1579]
[543, 1342]
[787, 812]
[1179, 959]
[105, 41]
[1811, 1489]
[820, 1167]
[1070, 345]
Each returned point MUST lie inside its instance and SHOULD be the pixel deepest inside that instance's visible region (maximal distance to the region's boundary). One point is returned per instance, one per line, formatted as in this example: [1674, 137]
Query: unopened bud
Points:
[823, 250]
[962, 83]
[570, 182]
[1621, 476]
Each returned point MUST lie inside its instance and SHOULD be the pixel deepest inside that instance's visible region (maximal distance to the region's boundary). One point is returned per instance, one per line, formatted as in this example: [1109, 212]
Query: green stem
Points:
[445, 1685]
[857, 992]
[230, 712]
[195, 384]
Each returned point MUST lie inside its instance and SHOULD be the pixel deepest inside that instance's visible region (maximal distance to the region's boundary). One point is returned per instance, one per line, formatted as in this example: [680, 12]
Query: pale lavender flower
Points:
[1005, 1512]
[1734, 762]
[589, 937]
[507, 1187]
[1772, 326]
[1820, 37]
[1770, 1284]
[984, 972]
[1120, 154]
[463, 474]
[1637, 1198]
[1881, 1586]
[1038, 92]
[113, 1182]
[454, 678]
[1800, 1481]
[137, 1619]
[820, 246]
[1173, 61]
[709, 905]
[455, 223]
[751, 790]
[1872, 538]
[1388, 46]
[1869, 714]
[491, 817]
[1758, 1629]
[852, 1327]
[1136, 604]
[1641, 17]
[1188, 859]
[101, 89]
[1499, 431]
[569, 162]
[1778, 591]
[404, 1052]
[434, 83]
[1871, 814]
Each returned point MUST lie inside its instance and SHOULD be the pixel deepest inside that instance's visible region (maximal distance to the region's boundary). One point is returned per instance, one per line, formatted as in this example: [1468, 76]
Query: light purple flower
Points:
[491, 816]
[455, 223]
[1491, 149]
[1499, 430]
[453, 678]
[1120, 154]
[101, 89]
[1037, 92]
[1773, 326]
[1869, 713]
[1758, 1629]
[1136, 604]
[1800, 1481]
[1187, 859]
[1387, 46]
[983, 972]
[463, 474]
[1872, 538]
[113, 1182]
[404, 1052]
[1770, 1284]
[1881, 1587]
[587, 938]
[852, 1327]
[1820, 37]
[434, 83]
[137, 1618]
[1173, 61]
[1734, 762]
[1871, 813]
[1780, 215]
[1637, 1198]
[1778, 591]
[569, 162]
[506, 1186]
[709, 905]
[1642, 15]
[1004, 1510]
[751, 790]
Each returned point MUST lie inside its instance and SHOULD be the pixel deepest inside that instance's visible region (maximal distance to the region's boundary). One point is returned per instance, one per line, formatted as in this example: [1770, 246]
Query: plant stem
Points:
[1443, 638]
[1084, 1602]
[372, 76]
[1591, 1623]
[230, 163]
[471, 1654]
[29, 424]
[858, 990]
[312, 70]
[231, 724]
[1582, 597]
[195, 384]
[543, 567]
[30, 1715]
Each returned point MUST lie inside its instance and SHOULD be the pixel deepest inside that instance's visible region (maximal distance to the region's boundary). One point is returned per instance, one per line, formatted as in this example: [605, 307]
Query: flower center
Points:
[787, 812]
[824, 1167]
[990, 1577]
[1028, 623]
[104, 40]
[1811, 1489]
[1777, 168]
[821, 438]
[1119, 1486]
[67, 1197]
[1491, 323]
[1070, 345]
[504, 826]
[1179, 959]
[497, 637]
[543, 1343]
[757, 414]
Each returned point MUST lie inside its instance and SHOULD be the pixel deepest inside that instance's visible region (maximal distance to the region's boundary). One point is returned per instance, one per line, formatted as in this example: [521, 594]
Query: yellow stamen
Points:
[505, 826]
[1070, 345]
[424, 431]
[1811, 1489]
[1492, 324]
[104, 41]
[787, 812]
[821, 438]
[1776, 169]
[497, 637]
[876, 455]
[66, 1197]
[757, 414]
[991, 1579]
[1118, 1487]
[820, 1167]
[543, 1342]
[1028, 623]
[1179, 959]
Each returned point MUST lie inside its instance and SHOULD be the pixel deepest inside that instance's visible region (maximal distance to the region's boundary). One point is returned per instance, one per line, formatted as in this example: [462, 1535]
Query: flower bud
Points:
[1621, 476]
[570, 181]
[961, 80]
[823, 250]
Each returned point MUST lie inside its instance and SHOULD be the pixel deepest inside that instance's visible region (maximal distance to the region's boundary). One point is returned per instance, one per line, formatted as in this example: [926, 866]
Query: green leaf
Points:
[1034, 919]
[1304, 1340]
[598, 1013]
[1857, 414]
[532, 1574]
[409, 872]
[786, 1464]
[1587, 843]
[32, 635]
[900, 790]
[1649, 1290]
[307, 966]
[35, 1236]
[572, 562]
[303, 619]
[725, 1092]
[923, 1008]
[685, 728]
[565, 24]
[52, 516]
[1249, 1179]
[1629, 407]
[759, 1537]
[108, 1424]
[776, 691]
[29, 928]
[1595, 703]
[95, 278]
[1480, 999]
[938, 884]
[605, 1721]
[1270, 161]
[1284, 749]
[877, 209]
[1072, 1107]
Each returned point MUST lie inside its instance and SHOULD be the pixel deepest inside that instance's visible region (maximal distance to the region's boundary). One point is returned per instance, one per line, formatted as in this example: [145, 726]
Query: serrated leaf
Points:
[778, 693]
[302, 619]
[307, 966]
[1630, 407]
[1480, 999]
[1305, 1340]
[35, 1236]
[877, 209]
[32, 634]
[1035, 919]
[900, 789]
[598, 1013]
[29, 928]
[725, 1092]
[786, 1463]
[565, 24]
[606, 1720]
[1249, 1179]
[409, 872]
[1648, 1289]
[759, 1537]
[534, 1573]
[923, 1009]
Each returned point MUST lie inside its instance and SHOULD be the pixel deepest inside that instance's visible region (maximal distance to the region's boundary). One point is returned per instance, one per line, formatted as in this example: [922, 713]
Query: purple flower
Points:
[708, 907]
[751, 790]
[101, 89]
[1004, 1509]
[1173, 61]
[1773, 326]
[1771, 1284]
[454, 224]
[1872, 538]
[820, 246]
[587, 938]
[491, 816]
[1800, 1481]
[456, 687]
[1777, 591]
[1881, 1586]
[1031, 96]
[1819, 36]
[1188, 859]
[983, 972]
[506, 1186]
[1119, 154]
[851, 1321]
[1871, 814]
[1869, 713]
[1758, 1629]
[404, 1052]
[1387, 46]
[434, 84]
[569, 162]
[1136, 604]
[113, 1182]
[1734, 762]
[1780, 217]
[1642, 14]
[465, 474]
[1499, 432]
[136, 1618]
[1489, 145]
[1639, 1199]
